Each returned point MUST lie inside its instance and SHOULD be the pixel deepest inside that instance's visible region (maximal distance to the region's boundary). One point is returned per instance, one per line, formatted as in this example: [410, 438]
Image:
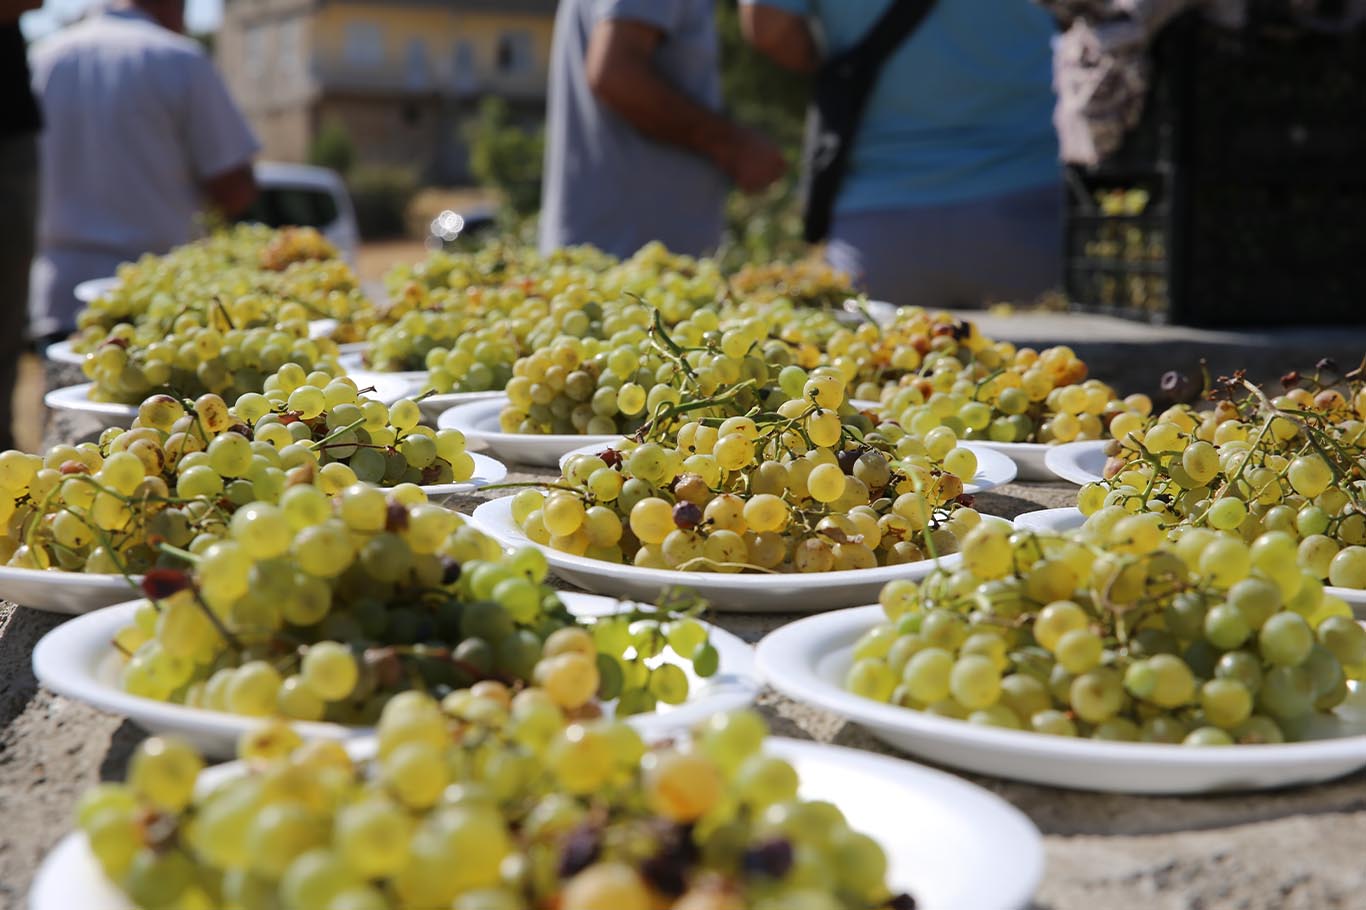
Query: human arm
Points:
[220, 143]
[621, 74]
[232, 192]
[781, 35]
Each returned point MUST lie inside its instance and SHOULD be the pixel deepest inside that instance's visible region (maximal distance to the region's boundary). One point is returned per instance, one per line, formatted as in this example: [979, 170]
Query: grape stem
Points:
[355, 424]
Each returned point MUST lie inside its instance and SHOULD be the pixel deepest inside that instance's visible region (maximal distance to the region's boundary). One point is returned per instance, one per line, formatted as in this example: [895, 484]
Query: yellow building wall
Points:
[439, 30]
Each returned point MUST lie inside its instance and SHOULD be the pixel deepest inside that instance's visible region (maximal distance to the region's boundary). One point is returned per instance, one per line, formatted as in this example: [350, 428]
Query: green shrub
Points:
[333, 148]
[381, 196]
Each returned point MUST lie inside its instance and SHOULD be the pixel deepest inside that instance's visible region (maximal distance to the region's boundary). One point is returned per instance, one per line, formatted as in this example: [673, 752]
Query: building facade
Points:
[402, 76]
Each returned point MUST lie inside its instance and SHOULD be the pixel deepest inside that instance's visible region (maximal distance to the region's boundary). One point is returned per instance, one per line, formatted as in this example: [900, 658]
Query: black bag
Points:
[839, 97]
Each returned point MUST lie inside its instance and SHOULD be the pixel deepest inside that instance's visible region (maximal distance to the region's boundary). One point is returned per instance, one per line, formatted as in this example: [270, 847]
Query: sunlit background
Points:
[200, 15]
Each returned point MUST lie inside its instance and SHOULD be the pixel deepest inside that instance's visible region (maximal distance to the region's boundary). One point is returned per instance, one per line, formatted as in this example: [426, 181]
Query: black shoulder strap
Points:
[892, 28]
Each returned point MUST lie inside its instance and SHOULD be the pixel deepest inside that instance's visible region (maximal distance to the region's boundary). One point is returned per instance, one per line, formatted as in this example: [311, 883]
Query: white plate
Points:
[993, 468]
[486, 471]
[353, 348]
[939, 832]
[388, 387]
[808, 659]
[1079, 462]
[77, 398]
[76, 660]
[478, 420]
[64, 592]
[788, 592]
[95, 288]
[1069, 519]
[64, 352]
[322, 328]
[433, 406]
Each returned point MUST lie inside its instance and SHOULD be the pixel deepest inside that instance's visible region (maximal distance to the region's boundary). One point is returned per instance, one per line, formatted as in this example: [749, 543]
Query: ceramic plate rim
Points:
[77, 398]
[93, 289]
[780, 658]
[1064, 460]
[471, 411]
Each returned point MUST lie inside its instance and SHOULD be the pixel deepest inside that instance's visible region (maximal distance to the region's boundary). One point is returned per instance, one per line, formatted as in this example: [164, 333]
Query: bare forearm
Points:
[11, 10]
[649, 103]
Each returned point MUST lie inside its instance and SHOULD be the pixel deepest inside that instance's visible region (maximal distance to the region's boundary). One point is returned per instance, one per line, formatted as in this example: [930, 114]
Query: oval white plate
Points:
[1079, 462]
[478, 420]
[354, 363]
[939, 833]
[64, 352]
[434, 405]
[788, 592]
[486, 471]
[77, 398]
[1069, 519]
[322, 328]
[76, 660]
[95, 288]
[64, 592]
[808, 659]
[388, 387]
[993, 468]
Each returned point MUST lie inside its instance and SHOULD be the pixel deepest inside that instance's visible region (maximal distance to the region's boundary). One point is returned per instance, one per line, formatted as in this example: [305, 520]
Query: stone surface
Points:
[1289, 850]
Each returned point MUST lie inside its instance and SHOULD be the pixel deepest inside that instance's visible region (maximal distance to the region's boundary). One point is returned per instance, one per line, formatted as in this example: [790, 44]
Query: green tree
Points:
[333, 148]
[507, 158]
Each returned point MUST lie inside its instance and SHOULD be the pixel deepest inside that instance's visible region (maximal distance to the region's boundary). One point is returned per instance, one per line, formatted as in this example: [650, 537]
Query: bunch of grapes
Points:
[487, 802]
[323, 608]
[806, 283]
[997, 393]
[291, 266]
[182, 469]
[1293, 465]
[1114, 634]
[791, 489]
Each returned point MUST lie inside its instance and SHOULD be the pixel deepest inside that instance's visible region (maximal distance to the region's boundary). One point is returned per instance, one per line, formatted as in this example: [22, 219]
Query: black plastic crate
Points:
[1241, 196]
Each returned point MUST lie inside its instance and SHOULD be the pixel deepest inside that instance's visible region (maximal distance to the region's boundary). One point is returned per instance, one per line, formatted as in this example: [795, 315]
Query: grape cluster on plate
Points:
[179, 473]
[1116, 634]
[1293, 464]
[497, 802]
[715, 486]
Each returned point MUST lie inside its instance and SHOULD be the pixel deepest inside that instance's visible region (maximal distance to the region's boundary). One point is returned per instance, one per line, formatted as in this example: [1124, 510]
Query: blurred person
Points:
[952, 193]
[19, 126]
[139, 132]
[636, 146]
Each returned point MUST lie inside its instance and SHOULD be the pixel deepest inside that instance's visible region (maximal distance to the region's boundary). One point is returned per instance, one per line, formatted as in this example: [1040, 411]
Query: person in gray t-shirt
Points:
[636, 147]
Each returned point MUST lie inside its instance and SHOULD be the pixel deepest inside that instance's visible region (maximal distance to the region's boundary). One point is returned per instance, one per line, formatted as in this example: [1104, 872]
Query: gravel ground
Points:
[1291, 850]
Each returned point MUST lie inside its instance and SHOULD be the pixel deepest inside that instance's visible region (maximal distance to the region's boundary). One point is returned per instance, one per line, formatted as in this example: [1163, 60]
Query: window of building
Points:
[463, 75]
[514, 52]
[364, 44]
[255, 53]
[418, 75]
[293, 67]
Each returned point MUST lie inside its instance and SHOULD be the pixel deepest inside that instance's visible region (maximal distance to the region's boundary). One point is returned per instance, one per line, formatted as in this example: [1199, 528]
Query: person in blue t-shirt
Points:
[953, 192]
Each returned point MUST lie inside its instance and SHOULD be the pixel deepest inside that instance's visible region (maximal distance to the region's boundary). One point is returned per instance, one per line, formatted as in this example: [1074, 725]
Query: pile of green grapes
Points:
[487, 803]
[991, 391]
[805, 283]
[323, 608]
[184, 467]
[1292, 465]
[798, 488]
[291, 266]
[1116, 634]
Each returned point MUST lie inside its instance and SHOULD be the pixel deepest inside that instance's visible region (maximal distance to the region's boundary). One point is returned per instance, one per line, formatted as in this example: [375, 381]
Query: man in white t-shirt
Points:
[140, 134]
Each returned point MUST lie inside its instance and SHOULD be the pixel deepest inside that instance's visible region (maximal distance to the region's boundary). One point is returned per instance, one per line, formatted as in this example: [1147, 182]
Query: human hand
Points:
[753, 160]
